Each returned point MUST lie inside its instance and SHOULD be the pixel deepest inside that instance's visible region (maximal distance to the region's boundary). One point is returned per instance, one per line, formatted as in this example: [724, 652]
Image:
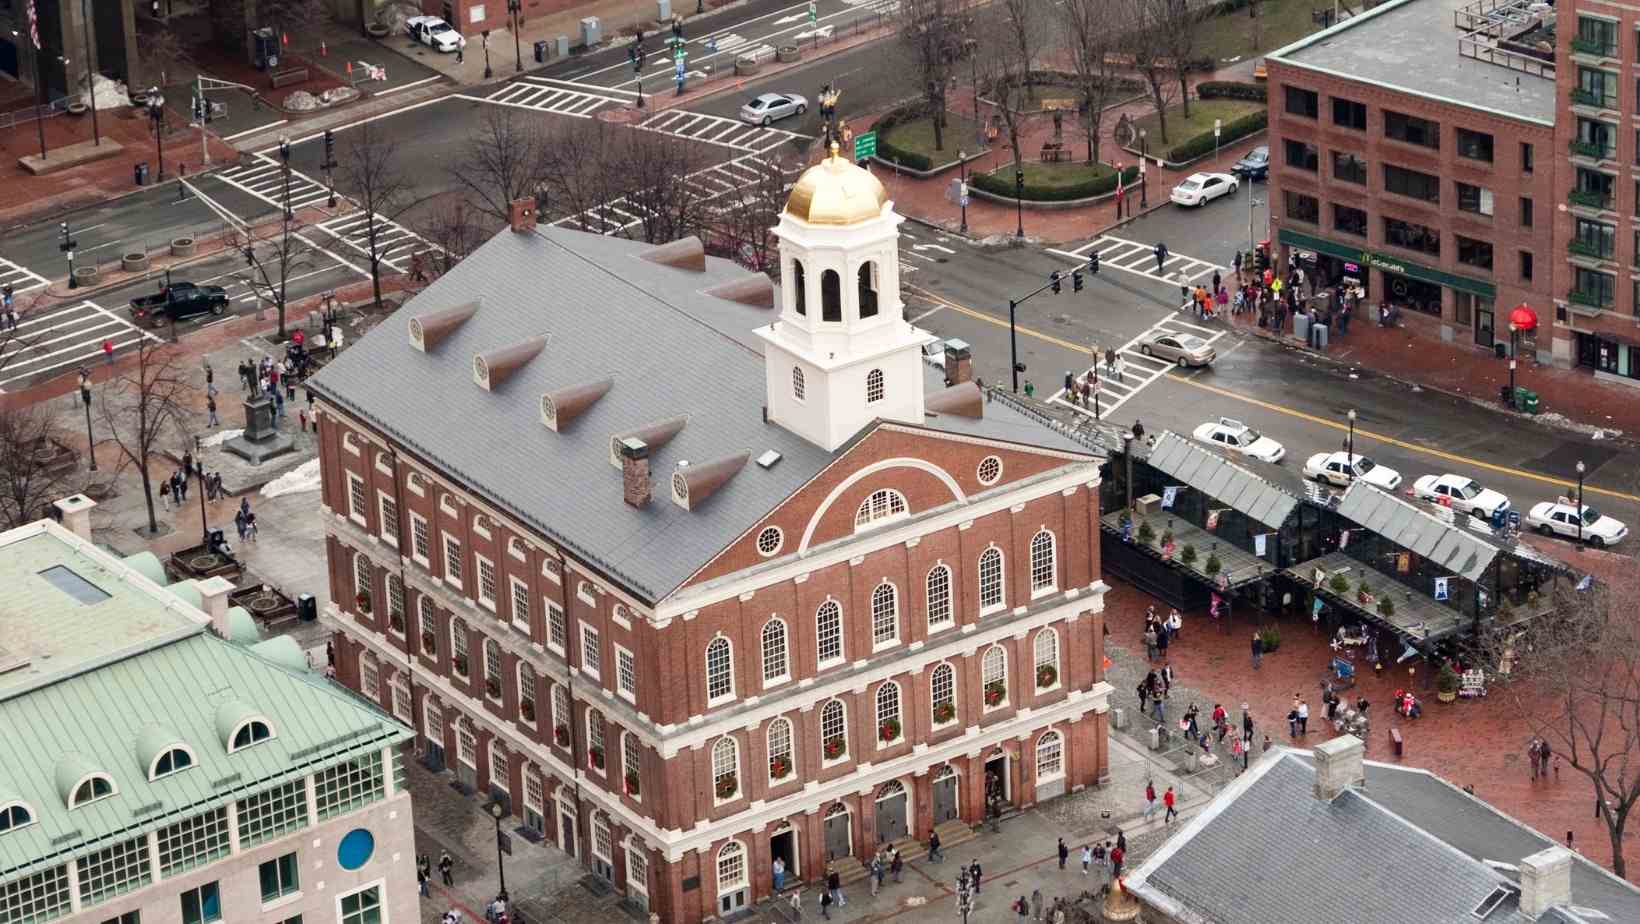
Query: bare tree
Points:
[1147, 44]
[370, 171]
[577, 179]
[161, 60]
[1577, 680]
[503, 162]
[454, 227]
[271, 261]
[1001, 70]
[668, 200]
[1025, 22]
[933, 40]
[1180, 26]
[141, 406]
[232, 21]
[31, 473]
[1090, 41]
[746, 216]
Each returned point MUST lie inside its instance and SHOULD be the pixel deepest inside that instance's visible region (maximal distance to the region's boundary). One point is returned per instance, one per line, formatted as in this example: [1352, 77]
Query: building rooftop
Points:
[66, 606]
[658, 339]
[1412, 46]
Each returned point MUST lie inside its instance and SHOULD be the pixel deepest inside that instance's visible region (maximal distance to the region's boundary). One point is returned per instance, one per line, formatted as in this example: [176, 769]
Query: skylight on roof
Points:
[70, 582]
[1491, 902]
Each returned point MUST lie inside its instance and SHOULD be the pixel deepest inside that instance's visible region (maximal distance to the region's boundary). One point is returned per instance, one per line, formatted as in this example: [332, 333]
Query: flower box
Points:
[1046, 676]
[889, 730]
[727, 786]
[560, 734]
[595, 757]
[632, 782]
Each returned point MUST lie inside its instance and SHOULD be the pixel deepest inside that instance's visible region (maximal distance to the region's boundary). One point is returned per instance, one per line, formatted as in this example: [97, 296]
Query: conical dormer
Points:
[841, 355]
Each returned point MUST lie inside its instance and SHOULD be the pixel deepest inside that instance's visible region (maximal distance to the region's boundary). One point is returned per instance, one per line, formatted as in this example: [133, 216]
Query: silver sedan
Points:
[1184, 349]
[772, 107]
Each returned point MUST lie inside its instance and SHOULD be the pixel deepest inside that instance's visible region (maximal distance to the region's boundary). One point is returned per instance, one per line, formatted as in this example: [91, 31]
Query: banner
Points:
[1169, 495]
[1403, 563]
[1213, 519]
[1441, 588]
[1343, 539]
[1259, 544]
[34, 25]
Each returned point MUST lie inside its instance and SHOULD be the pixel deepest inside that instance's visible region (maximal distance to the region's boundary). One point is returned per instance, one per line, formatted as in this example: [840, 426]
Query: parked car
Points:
[435, 33]
[1238, 437]
[179, 301]
[772, 107]
[1184, 349]
[1461, 493]
[1202, 188]
[1559, 518]
[1341, 468]
[1254, 166]
[933, 353]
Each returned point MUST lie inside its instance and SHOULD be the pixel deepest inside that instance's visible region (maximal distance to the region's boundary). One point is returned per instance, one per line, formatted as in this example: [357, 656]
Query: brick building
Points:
[1420, 159]
[691, 571]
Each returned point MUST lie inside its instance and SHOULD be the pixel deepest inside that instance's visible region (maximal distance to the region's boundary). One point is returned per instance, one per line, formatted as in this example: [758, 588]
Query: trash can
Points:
[1320, 332]
[267, 49]
[541, 51]
[1520, 397]
[1531, 405]
[307, 609]
[1155, 737]
[1301, 327]
[1118, 718]
[140, 173]
[1502, 349]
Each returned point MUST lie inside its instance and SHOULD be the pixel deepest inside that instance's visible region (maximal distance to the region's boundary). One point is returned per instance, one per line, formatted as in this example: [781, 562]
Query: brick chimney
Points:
[1545, 881]
[523, 215]
[74, 511]
[1338, 766]
[213, 594]
[959, 363]
[635, 471]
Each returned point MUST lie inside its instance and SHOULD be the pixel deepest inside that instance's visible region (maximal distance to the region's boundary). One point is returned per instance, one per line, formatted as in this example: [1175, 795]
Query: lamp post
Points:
[515, 9]
[965, 896]
[67, 247]
[156, 114]
[204, 527]
[85, 399]
[1019, 202]
[284, 157]
[39, 90]
[500, 869]
[962, 189]
[1252, 203]
[1581, 468]
[1144, 154]
[488, 73]
[1513, 331]
[1350, 449]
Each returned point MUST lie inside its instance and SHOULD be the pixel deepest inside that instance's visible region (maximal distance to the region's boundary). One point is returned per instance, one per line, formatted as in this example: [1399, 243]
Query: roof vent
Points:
[768, 459]
[964, 400]
[492, 369]
[654, 435]
[685, 253]
[693, 484]
[560, 408]
[427, 330]
[756, 291]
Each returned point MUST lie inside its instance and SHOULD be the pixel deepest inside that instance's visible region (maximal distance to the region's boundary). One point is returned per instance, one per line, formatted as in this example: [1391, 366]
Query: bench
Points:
[1054, 151]
[1395, 741]
[288, 76]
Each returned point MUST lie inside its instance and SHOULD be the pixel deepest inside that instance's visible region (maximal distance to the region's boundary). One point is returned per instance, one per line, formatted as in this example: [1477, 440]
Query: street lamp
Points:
[1144, 153]
[962, 190]
[1513, 331]
[284, 157]
[515, 9]
[1581, 468]
[488, 73]
[496, 813]
[965, 897]
[156, 114]
[1351, 446]
[85, 399]
[67, 247]
[204, 528]
[39, 89]
[1019, 201]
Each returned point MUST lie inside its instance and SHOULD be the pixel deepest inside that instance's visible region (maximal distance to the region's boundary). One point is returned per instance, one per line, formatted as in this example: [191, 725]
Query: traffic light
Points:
[1076, 280]
[330, 146]
[1093, 263]
[1053, 280]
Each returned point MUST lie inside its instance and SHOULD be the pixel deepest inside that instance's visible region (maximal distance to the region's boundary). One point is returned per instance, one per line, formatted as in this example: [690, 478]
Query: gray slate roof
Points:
[1403, 523]
[1268, 850]
[1219, 478]
[671, 349]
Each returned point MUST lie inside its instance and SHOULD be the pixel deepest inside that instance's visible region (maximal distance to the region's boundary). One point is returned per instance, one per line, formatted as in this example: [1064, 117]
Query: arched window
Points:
[939, 597]
[781, 763]
[731, 867]
[942, 694]
[800, 287]
[994, 676]
[1050, 756]
[720, 681]
[15, 815]
[776, 666]
[395, 603]
[797, 382]
[94, 787]
[595, 739]
[885, 615]
[888, 712]
[828, 633]
[429, 626]
[630, 762]
[833, 729]
[458, 645]
[526, 692]
[725, 768]
[874, 386]
[1046, 649]
[174, 760]
[831, 296]
[990, 579]
[560, 715]
[361, 578]
[868, 290]
[881, 507]
[1043, 570]
[492, 668]
[249, 732]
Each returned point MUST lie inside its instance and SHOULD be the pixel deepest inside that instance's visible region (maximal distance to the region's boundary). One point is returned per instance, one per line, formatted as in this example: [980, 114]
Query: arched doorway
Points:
[839, 832]
[566, 825]
[946, 804]
[892, 812]
[783, 843]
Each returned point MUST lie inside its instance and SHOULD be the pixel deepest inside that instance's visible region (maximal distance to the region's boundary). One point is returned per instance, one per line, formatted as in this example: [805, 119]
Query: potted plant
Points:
[1146, 534]
[1213, 566]
[632, 782]
[526, 710]
[1446, 683]
[1339, 585]
[889, 730]
[1271, 637]
[1167, 537]
[1386, 607]
[460, 663]
[429, 644]
[595, 757]
[1046, 676]
[1363, 592]
[560, 734]
[944, 712]
[779, 768]
[492, 686]
[995, 692]
[834, 748]
[1188, 554]
[361, 601]
[727, 786]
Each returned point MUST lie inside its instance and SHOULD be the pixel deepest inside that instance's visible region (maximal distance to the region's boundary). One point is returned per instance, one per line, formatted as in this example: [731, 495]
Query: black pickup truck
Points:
[177, 301]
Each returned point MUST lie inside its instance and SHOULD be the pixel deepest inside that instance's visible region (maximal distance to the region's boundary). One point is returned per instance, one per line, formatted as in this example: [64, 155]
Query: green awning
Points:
[1388, 263]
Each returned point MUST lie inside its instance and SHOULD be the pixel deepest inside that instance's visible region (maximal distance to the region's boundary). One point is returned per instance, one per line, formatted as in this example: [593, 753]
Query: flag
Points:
[1259, 544]
[1169, 494]
[1441, 592]
[1118, 166]
[1343, 539]
[34, 25]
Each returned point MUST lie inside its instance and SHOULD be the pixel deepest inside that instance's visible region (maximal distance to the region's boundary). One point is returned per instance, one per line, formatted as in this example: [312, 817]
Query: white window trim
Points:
[847, 745]
[33, 816]
[357, 516]
[381, 463]
[153, 766]
[447, 504]
[350, 442]
[618, 615]
[586, 593]
[553, 570]
[791, 750]
[484, 667]
[444, 542]
[416, 556]
[785, 675]
[877, 720]
[589, 670]
[842, 636]
[535, 691]
[729, 697]
[1002, 579]
[1036, 758]
[479, 563]
[631, 695]
[387, 525]
[1007, 691]
[1058, 671]
[933, 703]
[517, 549]
[950, 621]
[380, 885]
[887, 643]
[514, 584]
[416, 484]
[273, 732]
[563, 617]
[740, 777]
[481, 527]
[1052, 586]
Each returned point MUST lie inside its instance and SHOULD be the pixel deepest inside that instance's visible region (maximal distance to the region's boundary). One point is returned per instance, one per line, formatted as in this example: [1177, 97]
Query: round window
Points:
[770, 540]
[990, 469]
[355, 849]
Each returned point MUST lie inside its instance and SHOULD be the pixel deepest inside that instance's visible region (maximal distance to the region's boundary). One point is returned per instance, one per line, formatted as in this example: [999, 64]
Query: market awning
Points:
[1445, 544]
[1217, 477]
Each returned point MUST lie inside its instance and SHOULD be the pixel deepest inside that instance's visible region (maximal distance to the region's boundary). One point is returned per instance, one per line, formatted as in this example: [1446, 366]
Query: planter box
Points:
[134, 262]
[787, 53]
[745, 66]
[183, 247]
[86, 274]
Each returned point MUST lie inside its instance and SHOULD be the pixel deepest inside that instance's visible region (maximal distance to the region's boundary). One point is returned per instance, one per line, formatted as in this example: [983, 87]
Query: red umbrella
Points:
[1523, 317]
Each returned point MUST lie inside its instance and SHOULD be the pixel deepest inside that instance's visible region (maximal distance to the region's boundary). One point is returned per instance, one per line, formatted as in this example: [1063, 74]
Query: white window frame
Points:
[416, 483]
[945, 610]
[562, 713]
[1057, 740]
[599, 741]
[843, 729]
[948, 670]
[552, 569]
[631, 762]
[370, 677]
[364, 575]
[880, 640]
[481, 526]
[986, 679]
[499, 675]
[880, 508]
[499, 753]
[403, 707]
[388, 525]
[458, 630]
[790, 749]
[621, 616]
[350, 442]
[734, 768]
[592, 652]
[447, 504]
[453, 579]
[466, 746]
[517, 550]
[819, 639]
[626, 674]
[894, 711]
[520, 591]
[1001, 602]
[733, 852]
[533, 688]
[799, 383]
[392, 581]
[485, 598]
[586, 593]
[557, 622]
[637, 871]
[421, 540]
[728, 670]
[1044, 576]
[426, 621]
[876, 386]
[357, 499]
[379, 885]
[782, 651]
[1051, 635]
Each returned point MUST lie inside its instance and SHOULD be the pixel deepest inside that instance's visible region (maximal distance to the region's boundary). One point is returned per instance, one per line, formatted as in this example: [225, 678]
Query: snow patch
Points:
[1561, 420]
[304, 477]
[220, 437]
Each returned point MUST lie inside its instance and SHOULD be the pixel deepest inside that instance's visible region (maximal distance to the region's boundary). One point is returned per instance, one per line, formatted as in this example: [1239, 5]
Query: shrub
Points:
[1146, 534]
[1203, 143]
[1188, 554]
[1167, 537]
[1231, 89]
[911, 160]
[1340, 585]
[1098, 186]
[1271, 637]
[1447, 680]
[1386, 607]
[1213, 566]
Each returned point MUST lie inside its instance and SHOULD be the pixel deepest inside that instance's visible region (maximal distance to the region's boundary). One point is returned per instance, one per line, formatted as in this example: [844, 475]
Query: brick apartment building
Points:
[1418, 155]
[692, 572]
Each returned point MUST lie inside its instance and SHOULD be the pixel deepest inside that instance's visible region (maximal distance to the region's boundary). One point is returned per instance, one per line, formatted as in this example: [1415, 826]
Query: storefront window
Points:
[1420, 296]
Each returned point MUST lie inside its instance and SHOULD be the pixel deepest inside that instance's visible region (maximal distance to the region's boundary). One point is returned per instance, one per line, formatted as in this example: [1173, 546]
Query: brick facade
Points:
[684, 814]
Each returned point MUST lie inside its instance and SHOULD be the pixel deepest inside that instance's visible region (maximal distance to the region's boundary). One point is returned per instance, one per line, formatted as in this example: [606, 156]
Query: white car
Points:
[772, 107]
[434, 32]
[933, 353]
[1202, 188]
[1340, 468]
[1462, 494]
[1560, 518]
[1238, 437]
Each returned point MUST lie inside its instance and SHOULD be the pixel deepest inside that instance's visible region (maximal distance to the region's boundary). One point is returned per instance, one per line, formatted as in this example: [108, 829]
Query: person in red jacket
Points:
[1167, 800]
[1117, 854]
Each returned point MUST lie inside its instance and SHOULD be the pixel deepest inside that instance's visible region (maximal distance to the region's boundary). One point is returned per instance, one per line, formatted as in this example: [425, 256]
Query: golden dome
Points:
[836, 192]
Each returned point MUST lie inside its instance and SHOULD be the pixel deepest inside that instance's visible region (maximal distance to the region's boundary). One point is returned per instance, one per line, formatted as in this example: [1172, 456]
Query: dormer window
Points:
[831, 297]
[799, 287]
[868, 290]
[13, 816]
[94, 787]
[881, 507]
[249, 732]
[175, 760]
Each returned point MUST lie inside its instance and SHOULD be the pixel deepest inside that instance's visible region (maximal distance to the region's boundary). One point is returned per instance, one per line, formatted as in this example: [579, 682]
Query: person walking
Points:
[1532, 748]
[825, 904]
[1064, 854]
[934, 847]
[834, 887]
[1150, 798]
[1156, 709]
[165, 504]
[1246, 724]
[974, 873]
[239, 525]
[250, 527]
[777, 871]
[1161, 254]
[1023, 909]
[423, 875]
[1117, 855]
[210, 412]
[1087, 858]
[1151, 641]
[445, 864]
[1303, 717]
[1544, 753]
[895, 866]
[1143, 689]
[1258, 650]
[876, 873]
[108, 351]
[1175, 622]
[1166, 676]
[1167, 800]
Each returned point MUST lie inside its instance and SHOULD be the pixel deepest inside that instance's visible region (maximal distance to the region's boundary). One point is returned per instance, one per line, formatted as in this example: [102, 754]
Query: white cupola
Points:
[841, 355]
